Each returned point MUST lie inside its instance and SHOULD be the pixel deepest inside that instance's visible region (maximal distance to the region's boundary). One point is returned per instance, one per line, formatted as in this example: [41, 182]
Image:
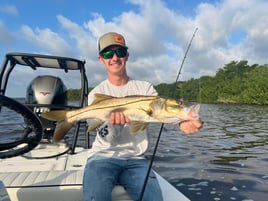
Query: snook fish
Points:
[141, 110]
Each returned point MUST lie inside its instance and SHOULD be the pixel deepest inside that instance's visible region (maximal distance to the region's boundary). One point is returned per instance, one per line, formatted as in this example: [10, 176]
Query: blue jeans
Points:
[102, 174]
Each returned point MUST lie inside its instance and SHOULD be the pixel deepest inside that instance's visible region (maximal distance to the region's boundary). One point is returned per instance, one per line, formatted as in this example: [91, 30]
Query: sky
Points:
[157, 33]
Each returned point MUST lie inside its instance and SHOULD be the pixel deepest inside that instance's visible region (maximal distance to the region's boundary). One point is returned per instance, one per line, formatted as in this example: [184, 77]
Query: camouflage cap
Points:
[111, 38]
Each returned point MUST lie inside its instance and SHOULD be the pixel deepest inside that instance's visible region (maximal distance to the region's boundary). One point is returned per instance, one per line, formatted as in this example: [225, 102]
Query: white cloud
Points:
[45, 40]
[158, 36]
[9, 9]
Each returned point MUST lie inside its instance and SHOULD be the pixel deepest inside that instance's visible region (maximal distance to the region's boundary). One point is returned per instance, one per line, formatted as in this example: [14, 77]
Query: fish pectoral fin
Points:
[61, 130]
[136, 126]
[93, 124]
[193, 112]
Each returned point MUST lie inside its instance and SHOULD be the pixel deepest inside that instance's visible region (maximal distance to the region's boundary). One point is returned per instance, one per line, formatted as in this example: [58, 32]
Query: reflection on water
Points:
[11, 125]
[227, 160]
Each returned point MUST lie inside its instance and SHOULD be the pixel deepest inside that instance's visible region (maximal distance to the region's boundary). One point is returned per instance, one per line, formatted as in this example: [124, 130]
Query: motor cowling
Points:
[46, 93]
[46, 89]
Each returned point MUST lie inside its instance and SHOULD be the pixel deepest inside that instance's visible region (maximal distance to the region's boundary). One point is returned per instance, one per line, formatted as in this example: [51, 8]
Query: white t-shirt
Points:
[116, 140]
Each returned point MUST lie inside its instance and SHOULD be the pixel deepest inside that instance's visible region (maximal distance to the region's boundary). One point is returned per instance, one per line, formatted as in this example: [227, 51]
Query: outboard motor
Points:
[46, 93]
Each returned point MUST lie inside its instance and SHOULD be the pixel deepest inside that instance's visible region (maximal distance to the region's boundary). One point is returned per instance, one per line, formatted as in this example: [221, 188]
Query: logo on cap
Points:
[119, 39]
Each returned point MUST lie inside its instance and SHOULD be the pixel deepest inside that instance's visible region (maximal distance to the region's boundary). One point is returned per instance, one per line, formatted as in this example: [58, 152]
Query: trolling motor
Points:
[46, 93]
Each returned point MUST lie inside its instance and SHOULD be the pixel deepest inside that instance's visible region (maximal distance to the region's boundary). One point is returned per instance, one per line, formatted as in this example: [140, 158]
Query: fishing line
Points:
[162, 125]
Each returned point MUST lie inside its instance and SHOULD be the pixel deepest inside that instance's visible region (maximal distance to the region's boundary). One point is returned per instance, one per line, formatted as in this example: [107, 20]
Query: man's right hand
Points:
[118, 118]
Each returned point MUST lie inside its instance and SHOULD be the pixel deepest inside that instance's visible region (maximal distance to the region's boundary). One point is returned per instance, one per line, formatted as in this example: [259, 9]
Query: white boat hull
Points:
[58, 179]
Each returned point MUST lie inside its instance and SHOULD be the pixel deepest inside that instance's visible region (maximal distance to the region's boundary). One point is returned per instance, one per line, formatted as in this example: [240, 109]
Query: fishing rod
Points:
[162, 125]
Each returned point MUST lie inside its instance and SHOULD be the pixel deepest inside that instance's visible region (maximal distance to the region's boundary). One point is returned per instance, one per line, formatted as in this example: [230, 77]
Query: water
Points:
[227, 160]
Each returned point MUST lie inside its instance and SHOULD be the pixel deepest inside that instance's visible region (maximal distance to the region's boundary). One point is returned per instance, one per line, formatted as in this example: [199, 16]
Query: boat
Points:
[32, 168]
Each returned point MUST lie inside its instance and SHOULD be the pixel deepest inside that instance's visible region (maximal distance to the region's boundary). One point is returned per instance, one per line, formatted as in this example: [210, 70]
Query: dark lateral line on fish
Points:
[101, 107]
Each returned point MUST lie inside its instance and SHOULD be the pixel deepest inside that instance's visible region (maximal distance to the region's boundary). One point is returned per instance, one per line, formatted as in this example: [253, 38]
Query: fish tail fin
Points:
[61, 130]
[62, 127]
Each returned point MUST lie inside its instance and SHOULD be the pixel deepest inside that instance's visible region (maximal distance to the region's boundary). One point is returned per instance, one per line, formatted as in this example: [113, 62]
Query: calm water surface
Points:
[227, 160]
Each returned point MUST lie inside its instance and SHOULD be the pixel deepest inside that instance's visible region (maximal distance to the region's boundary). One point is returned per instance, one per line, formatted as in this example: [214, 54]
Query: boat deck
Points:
[58, 178]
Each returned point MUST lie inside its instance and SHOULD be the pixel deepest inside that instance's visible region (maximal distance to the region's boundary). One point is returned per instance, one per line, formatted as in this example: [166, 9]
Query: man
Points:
[116, 155]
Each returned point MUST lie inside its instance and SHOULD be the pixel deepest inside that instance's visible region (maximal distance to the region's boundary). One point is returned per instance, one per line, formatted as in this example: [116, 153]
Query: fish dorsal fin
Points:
[101, 97]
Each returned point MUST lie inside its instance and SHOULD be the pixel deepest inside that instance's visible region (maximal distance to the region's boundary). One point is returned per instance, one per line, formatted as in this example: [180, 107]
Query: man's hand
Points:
[118, 118]
[191, 126]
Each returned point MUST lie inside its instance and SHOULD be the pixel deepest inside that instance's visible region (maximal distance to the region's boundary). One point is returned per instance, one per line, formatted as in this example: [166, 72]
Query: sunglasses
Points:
[108, 54]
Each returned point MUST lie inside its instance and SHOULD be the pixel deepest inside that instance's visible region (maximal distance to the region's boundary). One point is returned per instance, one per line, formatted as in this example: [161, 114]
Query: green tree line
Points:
[236, 82]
